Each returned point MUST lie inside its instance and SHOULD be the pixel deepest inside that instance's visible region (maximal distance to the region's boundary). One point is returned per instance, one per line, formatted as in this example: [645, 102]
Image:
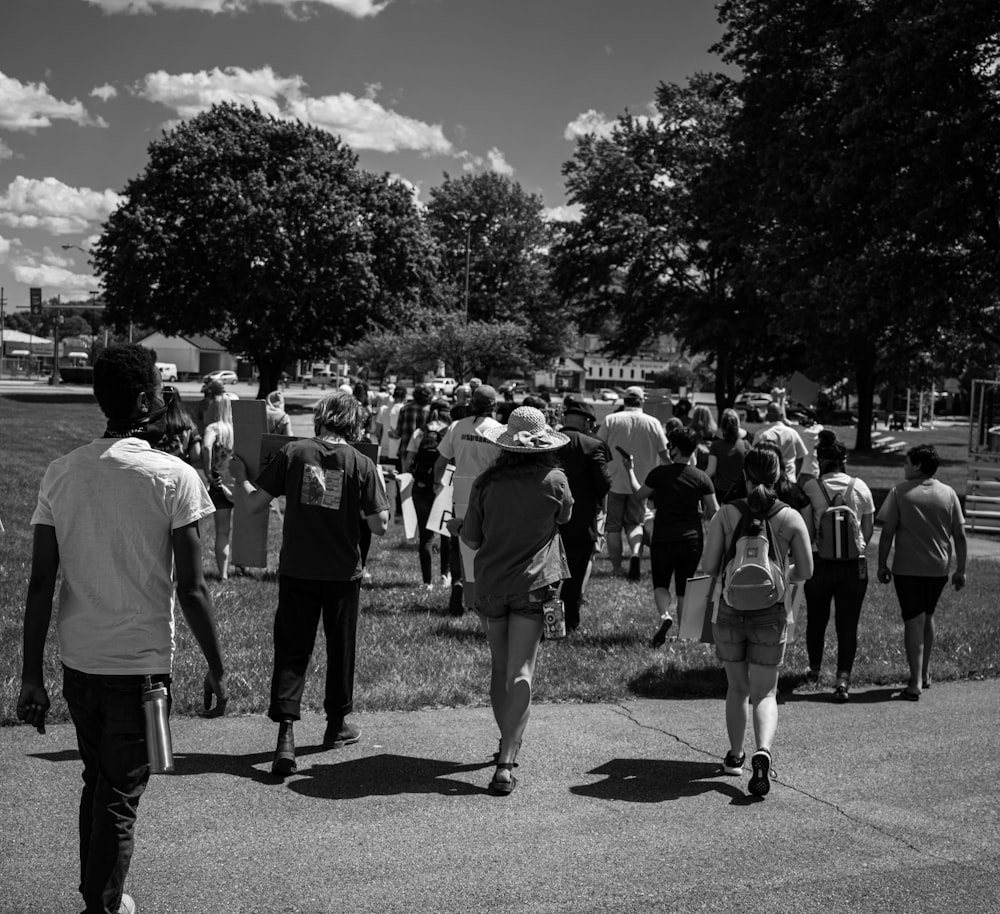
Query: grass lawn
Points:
[412, 654]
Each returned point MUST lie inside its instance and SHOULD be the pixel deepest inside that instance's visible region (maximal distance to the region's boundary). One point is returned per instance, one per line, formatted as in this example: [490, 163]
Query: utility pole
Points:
[56, 322]
[2, 321]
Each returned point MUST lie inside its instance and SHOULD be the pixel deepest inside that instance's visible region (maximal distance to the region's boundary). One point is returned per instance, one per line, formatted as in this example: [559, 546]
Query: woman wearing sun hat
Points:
[514, 511]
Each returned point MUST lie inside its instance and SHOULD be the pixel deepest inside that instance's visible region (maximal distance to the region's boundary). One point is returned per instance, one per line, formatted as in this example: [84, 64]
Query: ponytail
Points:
[763, 468]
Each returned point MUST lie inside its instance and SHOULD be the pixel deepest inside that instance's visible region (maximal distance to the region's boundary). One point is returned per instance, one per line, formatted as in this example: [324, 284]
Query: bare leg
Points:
[496, 636]
[925, 666]
[763, 698]
[223, 525]
[914, 632]
[614, 541]
[737, 710]
[661, 597]
[635, 540]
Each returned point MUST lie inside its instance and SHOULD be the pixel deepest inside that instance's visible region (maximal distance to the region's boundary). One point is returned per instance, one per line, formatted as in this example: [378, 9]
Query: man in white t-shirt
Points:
[120, 520]
[789, 441]
[643, 437]
[464, 446]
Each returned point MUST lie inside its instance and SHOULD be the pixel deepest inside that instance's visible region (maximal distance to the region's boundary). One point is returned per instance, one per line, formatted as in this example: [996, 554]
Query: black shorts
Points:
[677, 559]
[917, 595]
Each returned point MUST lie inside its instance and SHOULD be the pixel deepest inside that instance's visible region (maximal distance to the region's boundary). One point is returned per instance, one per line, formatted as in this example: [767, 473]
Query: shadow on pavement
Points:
[865, 697]
[658, 780]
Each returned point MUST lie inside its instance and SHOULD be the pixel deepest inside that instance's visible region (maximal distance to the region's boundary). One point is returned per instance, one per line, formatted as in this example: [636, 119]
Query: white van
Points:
[168, 371]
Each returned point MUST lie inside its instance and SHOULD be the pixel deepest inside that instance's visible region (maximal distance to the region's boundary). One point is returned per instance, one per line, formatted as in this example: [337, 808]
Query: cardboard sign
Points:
[405, 483]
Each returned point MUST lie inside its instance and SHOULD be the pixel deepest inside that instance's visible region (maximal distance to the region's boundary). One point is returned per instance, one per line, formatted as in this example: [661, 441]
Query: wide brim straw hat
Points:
[526, 433]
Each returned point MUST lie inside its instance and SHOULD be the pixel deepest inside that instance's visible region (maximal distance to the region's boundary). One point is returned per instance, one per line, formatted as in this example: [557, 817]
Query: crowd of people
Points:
[119, 518]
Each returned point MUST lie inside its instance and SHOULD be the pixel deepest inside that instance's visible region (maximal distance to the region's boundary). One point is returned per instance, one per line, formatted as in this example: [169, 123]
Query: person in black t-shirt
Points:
[682, 495]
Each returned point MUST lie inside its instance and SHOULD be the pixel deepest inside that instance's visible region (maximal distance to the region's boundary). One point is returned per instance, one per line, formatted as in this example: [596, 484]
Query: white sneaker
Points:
[127, 906]
[429, 587]
[446, 580]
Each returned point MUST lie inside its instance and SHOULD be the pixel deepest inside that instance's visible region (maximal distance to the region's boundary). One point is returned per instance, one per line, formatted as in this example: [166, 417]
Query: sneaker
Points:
[634, 570]
[841, 693]
[456, 606]
[812, 677]
[733, 764]
[340, 733]
[659, 639]
[760, 780]
[127, 905]
[429, 586]
[284, 754]
[445, 580]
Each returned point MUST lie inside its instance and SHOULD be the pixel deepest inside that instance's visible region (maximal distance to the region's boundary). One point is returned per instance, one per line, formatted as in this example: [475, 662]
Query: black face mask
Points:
[150, 428]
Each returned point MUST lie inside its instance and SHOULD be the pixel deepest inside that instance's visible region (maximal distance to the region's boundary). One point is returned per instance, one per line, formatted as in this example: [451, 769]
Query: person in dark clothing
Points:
[585, 462]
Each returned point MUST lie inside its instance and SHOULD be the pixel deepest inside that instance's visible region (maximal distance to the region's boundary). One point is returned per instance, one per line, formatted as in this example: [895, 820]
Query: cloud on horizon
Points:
[363, 123]
[28, 106]
[589, 122]
[104, 93]
[570, 213]
[50, 205]
[360, 9]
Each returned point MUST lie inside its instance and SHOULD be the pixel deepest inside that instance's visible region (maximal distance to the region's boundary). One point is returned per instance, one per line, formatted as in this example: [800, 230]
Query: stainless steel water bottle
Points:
[158, 746]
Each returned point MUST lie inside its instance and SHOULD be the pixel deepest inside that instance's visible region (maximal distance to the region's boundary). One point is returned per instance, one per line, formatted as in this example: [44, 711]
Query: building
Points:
[194, 355]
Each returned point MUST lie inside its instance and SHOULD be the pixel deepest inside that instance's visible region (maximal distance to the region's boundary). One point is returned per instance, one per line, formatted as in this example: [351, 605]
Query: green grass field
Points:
[412, 654]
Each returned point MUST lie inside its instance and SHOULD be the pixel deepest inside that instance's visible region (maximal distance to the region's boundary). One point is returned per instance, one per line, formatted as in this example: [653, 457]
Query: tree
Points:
[490, 223]
[663, 236]
[266, 235]
[873, 127]
[378, 351]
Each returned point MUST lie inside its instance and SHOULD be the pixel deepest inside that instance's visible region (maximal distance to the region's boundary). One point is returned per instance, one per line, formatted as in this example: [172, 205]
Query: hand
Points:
[32, 705]
[454, 526]
[884, 575]
[214, 686]
[239, 469]
[958, 580]
[437, 487]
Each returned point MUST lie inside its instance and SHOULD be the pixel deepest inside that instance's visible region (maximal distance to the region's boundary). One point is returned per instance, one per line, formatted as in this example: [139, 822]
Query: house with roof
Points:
[194, 354]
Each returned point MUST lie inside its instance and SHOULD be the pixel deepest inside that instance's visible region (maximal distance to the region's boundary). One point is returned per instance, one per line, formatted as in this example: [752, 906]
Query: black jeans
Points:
[301, 603]
[423, 500]
[845, 584]
[578, 556]
[110, 732]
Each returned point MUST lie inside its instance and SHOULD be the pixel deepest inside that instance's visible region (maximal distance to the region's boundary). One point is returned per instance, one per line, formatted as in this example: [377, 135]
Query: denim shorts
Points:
[624, 512]
[755, 637]
[522, 604]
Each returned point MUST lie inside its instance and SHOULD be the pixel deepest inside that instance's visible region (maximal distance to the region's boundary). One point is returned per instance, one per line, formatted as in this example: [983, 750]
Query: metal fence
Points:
[984, 425]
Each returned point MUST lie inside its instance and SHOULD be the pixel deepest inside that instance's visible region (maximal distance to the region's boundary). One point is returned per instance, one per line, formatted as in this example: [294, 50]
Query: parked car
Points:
[223, 374]
[607, 395]
[751, 400]
[445, 386]
[168, 371]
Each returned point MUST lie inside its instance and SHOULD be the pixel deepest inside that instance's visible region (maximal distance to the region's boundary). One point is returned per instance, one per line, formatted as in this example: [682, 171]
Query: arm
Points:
[889, 527]
[192, 594]
[961, 548]
[600, 475]
[641, 491]
[207, 443]
[715, 546]
[712, 465]
[256, 499]
[709, 506]
[378, 523]
[33, 701]
[440, 465]
[867, 526]
[801, 546]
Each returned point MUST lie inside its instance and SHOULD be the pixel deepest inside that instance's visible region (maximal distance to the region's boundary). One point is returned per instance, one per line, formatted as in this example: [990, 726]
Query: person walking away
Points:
[413, 415]
[514, 510]
[683, 496]
[641, 436]
[421, 459]
[119, 520]
[585, 461]
[329, 486]
[923, 517]
[278, 421]
[704, 425]
[840, 518]
[750, 629]
[466, 445]
[727, 453]
[210, 390]
[388, 446]
[216, 454]
[789, 442]
[181, 437]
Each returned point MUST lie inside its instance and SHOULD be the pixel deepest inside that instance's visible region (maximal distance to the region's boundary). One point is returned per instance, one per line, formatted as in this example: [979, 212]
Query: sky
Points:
[418, 88]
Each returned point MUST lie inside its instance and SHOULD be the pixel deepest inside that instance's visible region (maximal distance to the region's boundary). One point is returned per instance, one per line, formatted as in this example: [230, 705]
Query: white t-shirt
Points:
[114, 504]
[464, 446]
[861, 500]
[639, 434]
[789, 441]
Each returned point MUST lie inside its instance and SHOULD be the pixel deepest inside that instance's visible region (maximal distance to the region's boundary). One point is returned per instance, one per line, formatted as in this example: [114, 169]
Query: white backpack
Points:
[753, 577]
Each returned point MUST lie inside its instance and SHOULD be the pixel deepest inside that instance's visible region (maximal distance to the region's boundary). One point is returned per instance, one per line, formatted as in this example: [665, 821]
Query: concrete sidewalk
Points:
[880, 805]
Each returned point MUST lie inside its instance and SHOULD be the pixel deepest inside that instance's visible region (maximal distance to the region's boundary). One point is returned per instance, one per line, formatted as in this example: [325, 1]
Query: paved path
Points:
[878, 806]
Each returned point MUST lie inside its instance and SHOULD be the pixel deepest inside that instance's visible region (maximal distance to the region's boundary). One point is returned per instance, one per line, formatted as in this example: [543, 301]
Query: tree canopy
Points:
[265, 234]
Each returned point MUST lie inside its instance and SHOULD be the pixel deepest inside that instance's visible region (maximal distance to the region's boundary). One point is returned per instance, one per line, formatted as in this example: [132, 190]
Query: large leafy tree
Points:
[265, 234]
[873, 127]
[664, 236]
[494, 240]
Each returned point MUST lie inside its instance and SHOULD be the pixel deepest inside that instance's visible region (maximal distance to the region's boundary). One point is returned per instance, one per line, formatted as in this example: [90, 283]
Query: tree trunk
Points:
[270, 377]
[725, 382]
[865, 379]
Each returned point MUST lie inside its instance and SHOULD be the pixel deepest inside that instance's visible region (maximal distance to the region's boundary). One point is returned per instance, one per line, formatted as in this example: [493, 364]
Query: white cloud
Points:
[362, 123]
[357, 8]
[5, 246]
[5, 151]
[590, 122]
[372, 89]
[498, 163]
[28, 106]
[571, 213]
[50, 205]
[54, 278]
[105, 93]
[414, 189]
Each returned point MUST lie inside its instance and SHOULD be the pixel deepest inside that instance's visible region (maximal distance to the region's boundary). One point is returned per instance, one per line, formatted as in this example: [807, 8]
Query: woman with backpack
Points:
[515, 508]
[421, 456]
[726, 454]
[750, 627]
[841, 519]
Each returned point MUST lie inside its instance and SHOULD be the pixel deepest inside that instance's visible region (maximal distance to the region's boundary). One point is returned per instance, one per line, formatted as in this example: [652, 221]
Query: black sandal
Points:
[503, 788]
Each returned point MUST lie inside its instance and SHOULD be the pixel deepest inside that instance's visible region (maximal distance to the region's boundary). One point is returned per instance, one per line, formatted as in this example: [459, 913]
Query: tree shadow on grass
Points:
[694, 682]
[84, 396]
[459, 633]
[414, 607]
[642, 780]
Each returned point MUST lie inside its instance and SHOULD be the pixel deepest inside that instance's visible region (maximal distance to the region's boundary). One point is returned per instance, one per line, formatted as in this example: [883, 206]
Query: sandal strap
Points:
[507, 766]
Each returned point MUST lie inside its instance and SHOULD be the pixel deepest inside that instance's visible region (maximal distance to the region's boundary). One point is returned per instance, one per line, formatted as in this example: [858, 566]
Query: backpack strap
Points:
[734, 534]
[850, 491]
[824, 490]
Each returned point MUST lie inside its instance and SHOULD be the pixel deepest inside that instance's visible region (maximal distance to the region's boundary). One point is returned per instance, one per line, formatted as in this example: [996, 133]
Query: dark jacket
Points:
[585, 462]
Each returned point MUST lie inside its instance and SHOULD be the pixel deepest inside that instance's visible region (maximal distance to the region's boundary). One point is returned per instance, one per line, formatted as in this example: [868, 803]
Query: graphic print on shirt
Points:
[322, 488]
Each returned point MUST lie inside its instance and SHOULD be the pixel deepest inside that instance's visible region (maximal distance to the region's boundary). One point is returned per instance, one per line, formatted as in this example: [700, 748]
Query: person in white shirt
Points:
[793, 448]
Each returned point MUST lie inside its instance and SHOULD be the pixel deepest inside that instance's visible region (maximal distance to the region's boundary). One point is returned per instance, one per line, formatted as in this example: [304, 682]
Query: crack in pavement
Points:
[878, 829]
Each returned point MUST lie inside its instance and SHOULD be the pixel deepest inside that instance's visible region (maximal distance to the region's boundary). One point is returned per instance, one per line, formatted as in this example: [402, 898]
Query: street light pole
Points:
[468, 246]
[56, 379]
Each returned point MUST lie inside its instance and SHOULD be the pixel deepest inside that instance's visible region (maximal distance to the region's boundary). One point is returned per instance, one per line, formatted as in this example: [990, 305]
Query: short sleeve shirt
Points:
[639, 434]
[677, 493]
[789, 441]
[925, 512]
[329, 488]
[114, 504]
[838, 483]
[464, 446]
